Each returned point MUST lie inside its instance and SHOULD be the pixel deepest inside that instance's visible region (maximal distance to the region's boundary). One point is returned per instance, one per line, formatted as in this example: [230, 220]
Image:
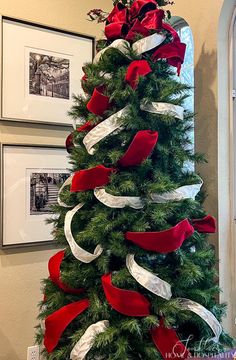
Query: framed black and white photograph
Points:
[41, 70]
[31, 177]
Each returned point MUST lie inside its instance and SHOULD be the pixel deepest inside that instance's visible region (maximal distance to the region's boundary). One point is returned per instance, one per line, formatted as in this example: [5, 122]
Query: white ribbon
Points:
[205, 314]
[103, 129]
[66, 183]
[181, 193]
[141, 46]
[86, 342]
[118, 202]
[148, 43]
[163, 108]
[148, 280]
[78, 252]
[112, 201]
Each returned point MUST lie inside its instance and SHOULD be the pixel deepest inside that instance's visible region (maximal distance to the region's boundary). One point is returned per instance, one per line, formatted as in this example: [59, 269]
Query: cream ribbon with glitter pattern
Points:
[148, 280]
[85, 343]
[78, 252]
[141, 46]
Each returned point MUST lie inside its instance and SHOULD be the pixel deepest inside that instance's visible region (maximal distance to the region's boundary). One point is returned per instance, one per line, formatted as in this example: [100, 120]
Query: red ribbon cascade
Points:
[54, 265]
[136, 69]
[126, 302]
[140, 148]
[91, 178]
[98, 102]
[168, 343]
[205, 225]
[162, 241]
[57, 322]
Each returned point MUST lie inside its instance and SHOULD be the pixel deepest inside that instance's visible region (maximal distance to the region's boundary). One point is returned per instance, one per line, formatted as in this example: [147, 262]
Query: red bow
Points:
[126, 302]
[139, 19]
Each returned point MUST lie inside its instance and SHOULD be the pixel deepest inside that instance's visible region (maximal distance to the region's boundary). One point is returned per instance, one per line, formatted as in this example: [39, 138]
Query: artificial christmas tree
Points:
[137, 278]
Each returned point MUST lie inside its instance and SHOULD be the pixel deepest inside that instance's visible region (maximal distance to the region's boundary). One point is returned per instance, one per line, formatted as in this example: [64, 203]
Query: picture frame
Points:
[41, 70]
[30, 179]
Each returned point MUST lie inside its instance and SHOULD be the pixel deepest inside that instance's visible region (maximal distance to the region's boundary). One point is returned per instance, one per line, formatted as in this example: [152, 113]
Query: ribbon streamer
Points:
[98, 102]
[173, 52]
[181, 193]
[86, 342]
[103, 129]
[136, 69]
[78, 252]
[162, 241]
[168, 343]
[205, 314]
[57, 322]
[141, 46]
[118, 202]
[163, 109]
[54, 265]
[66, 183]
[126, 302]
[148, 280]
[140, 148]
[205, 225]
[91, 178]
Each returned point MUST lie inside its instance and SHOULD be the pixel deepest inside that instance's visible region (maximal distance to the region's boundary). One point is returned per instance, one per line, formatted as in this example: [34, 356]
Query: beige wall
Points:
[21, 271]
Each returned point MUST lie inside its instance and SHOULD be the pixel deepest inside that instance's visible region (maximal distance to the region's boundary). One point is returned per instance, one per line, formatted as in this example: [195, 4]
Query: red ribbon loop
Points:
[57, 322]
[205, 225]
[153, 19]
[173, 32]
[137, 28]
[98, 102]
[162, 241]
[168, 343]
[126, 302]
[141, 7]
[173, 52]
[140, 148]
[91, 178]
[116, 30]
[136, 69]
[54, 265]
[113, 15]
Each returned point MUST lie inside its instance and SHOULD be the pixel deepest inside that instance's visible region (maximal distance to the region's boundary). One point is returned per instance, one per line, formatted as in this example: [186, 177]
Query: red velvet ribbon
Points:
[126, 302]
[173, 32]
[168, 343]
[98, 102]
[140, 148]
[54, 265]
[57, 322]
[174, 53]
[162, 241]
[205, 225]
[125, 23]
[136, 69]
[91, 178]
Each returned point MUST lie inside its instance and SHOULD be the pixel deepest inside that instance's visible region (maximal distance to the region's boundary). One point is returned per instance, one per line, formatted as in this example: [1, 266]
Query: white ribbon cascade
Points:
[103, 129]
[66, 183]
[148, 280]
[163, 109]
[181, 193]
[205, 314]
[141, 46]
[86, 342]
[78, 252]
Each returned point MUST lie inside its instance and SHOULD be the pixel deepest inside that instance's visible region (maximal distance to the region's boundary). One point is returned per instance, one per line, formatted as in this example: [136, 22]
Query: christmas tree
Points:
[137, 278]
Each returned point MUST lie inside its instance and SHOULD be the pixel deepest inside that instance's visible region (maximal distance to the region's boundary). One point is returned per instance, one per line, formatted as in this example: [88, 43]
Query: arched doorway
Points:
[227, 226]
